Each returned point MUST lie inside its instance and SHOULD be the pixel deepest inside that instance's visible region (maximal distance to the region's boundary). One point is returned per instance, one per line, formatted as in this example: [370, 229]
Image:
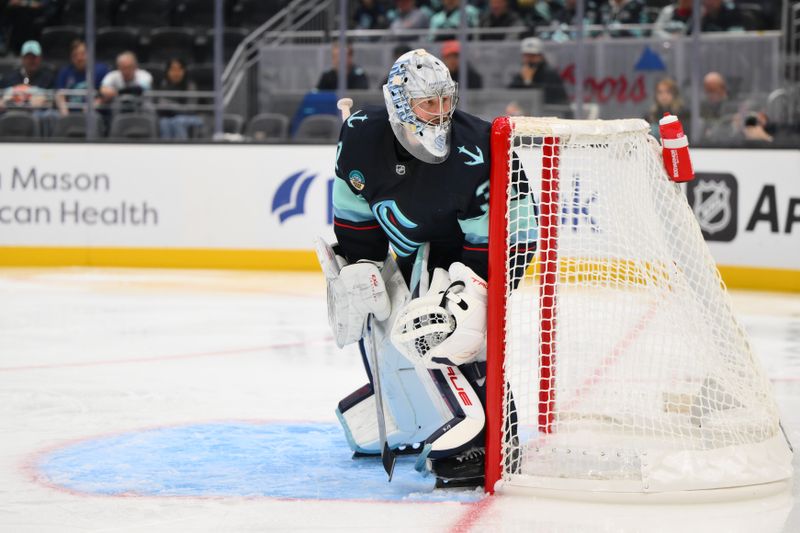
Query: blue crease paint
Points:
[236, 459]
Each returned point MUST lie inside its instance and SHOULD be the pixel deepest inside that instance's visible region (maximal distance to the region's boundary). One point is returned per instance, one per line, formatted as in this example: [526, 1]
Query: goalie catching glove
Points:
[354, 291]
[447, 326]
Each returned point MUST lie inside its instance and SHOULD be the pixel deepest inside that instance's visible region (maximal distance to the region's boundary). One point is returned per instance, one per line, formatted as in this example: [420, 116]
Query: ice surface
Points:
[168, 400]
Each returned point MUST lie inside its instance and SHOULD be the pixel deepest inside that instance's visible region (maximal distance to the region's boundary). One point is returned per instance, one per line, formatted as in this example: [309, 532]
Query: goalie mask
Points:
[421, 96]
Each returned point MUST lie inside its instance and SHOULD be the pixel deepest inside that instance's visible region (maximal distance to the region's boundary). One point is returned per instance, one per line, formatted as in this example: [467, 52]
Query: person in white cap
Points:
[535, 73]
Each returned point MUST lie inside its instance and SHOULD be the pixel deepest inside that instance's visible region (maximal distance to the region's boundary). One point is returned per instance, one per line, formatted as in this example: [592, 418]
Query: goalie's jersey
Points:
[384, 196]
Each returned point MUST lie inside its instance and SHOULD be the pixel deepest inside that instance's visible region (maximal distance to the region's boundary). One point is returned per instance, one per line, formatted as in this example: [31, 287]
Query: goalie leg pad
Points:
[466, 428]
[413, 405]
[356, 414]
[455, 452]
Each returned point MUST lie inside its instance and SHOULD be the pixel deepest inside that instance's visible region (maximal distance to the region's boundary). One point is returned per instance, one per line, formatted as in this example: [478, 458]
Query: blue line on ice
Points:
[277, 460]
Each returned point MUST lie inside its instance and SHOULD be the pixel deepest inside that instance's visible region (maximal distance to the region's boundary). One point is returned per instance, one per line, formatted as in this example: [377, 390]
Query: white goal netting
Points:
[625, 369]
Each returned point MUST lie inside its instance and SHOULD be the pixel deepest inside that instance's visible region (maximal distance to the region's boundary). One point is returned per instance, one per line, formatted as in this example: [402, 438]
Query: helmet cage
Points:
[426, 135]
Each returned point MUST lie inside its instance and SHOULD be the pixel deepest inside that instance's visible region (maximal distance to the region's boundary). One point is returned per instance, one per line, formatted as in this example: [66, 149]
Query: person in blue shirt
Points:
[73, 76]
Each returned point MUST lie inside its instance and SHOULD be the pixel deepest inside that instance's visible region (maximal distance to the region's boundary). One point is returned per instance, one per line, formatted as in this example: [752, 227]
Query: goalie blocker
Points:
[437, 412]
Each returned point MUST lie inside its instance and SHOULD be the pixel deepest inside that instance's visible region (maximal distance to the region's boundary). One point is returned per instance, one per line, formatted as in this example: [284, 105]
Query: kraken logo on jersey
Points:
[393, 222]
[356, 116]
[475, 158]
[357, 180]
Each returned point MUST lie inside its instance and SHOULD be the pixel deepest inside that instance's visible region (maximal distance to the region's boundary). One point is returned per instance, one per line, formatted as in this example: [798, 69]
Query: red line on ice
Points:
[133, 360]
[473, 515]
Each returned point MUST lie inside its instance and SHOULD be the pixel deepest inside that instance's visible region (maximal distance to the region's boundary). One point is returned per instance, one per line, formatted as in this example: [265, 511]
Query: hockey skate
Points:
[465, 469]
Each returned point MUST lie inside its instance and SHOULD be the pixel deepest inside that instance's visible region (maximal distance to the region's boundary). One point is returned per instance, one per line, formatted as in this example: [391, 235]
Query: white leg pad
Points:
[413, 405]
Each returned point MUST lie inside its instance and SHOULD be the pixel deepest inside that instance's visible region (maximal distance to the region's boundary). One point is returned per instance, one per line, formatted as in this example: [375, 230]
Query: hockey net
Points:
[615, 361]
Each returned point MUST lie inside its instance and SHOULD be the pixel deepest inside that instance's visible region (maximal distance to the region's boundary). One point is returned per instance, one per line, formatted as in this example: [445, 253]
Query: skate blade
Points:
[408, 450]
[470, 483]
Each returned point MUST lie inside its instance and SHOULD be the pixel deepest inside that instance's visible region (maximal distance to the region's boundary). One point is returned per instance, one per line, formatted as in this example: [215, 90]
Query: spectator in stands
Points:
[369, 15]
[535, 73]
[566, 15]
[616, 14]
[23, 19]
[73, 77]
[537, 13]
[715, 91]
[31, 71]
[451, 57]
[720, 15]
[674, 19]
[499, 15]
[667, 99]
[176, 119]
[449, 18]
[356, 77]
[754, 129]
[407, 16]
[767, 12]
[127, 81]
[717, 120]
[30, 86]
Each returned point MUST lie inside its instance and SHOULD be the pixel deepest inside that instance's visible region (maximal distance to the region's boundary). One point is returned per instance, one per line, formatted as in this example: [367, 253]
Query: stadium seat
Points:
[232, 123]
[313, 103]
[194, 13]
[321, 129]
[268, 127]
[73, 126]
[232, 38]
[156, 70]
[133, 126]
[753, 17]
[73, 12]
[56, 41]
[18, 124]
[202, 75]
[167, 43]
[254, 13]
[144, 13]
[113, 41]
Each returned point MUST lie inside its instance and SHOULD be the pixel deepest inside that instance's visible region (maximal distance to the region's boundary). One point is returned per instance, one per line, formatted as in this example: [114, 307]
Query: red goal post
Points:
[615, 363]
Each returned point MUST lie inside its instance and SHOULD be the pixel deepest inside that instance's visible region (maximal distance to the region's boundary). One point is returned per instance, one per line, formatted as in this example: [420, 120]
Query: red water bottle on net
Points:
[675, 148]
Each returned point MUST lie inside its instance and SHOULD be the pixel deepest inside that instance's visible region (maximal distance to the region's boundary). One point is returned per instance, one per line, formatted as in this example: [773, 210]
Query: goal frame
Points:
[502, 165]
[495, 323]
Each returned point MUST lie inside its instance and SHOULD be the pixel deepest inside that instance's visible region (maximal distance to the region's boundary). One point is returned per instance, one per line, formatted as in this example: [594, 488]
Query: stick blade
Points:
[388, 458]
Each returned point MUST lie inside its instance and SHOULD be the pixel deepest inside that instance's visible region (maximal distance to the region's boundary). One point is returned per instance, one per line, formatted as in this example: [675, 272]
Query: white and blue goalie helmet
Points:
[419, 82]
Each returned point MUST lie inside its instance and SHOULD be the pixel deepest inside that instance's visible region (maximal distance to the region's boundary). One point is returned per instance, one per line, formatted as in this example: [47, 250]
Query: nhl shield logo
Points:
[714, 200]
[712, 206]
[400, 169]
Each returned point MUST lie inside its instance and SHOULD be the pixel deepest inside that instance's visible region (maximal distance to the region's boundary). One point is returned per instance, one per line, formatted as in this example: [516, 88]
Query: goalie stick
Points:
[388, 456]
[330, 267]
